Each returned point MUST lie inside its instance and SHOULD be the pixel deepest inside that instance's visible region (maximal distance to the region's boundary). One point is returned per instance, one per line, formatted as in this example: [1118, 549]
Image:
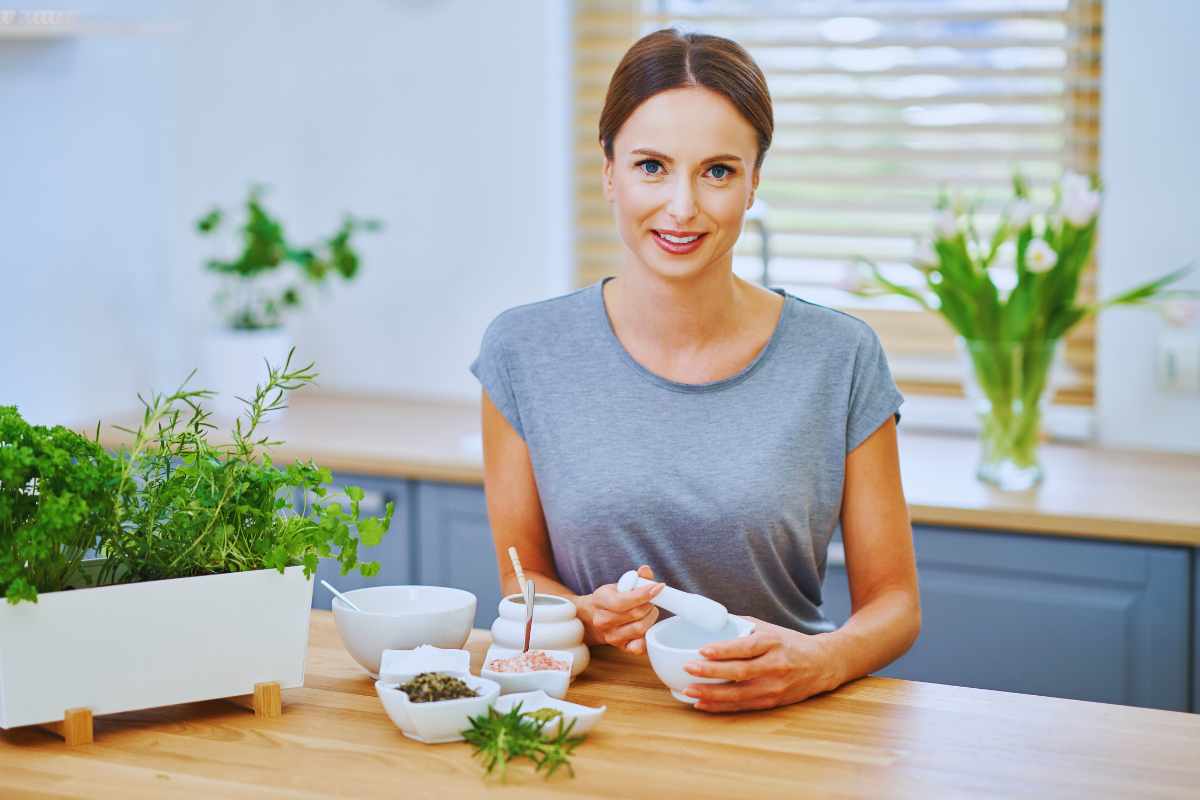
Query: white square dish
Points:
[395, 664]
[551, 681]
[584, 717]
[440, 720]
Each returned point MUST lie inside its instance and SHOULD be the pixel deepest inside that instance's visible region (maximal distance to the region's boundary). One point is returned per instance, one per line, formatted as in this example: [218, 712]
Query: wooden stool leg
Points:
[268, 700]
[76, 727]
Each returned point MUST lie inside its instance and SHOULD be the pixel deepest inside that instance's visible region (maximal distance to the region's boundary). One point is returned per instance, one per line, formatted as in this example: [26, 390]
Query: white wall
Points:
[84, 172]
[1150, 153]
[448, 119]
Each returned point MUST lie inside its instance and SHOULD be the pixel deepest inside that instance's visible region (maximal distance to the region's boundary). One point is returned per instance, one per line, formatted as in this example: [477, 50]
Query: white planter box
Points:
[143, 645]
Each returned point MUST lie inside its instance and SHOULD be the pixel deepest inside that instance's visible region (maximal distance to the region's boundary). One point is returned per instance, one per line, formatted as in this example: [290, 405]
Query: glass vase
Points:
[1010, 384]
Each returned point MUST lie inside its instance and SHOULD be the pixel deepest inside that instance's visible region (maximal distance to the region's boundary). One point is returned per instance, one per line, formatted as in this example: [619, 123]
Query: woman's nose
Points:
[682, 206]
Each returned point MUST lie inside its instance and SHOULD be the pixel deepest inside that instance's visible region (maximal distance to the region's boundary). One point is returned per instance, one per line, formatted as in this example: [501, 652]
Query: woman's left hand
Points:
[771, 667]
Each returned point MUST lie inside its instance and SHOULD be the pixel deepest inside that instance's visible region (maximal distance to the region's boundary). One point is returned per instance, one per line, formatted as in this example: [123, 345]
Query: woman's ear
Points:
[608, 188]
[753, 189]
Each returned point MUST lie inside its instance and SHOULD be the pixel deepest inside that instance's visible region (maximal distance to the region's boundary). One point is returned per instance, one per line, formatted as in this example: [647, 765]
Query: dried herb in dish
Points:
[500, 738]
[431, 686]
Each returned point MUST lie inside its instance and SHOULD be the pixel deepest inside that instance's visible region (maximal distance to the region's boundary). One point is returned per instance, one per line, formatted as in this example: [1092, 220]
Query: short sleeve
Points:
[493, 369]
[873, 394]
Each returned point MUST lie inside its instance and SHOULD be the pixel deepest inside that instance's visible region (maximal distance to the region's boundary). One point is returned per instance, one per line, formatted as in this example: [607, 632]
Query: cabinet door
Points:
[394, 553]
[1196, 631]
[455, 544]
[1076, 618]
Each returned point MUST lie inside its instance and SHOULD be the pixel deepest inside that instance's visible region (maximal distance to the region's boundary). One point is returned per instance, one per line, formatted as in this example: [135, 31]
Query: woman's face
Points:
[682, 164]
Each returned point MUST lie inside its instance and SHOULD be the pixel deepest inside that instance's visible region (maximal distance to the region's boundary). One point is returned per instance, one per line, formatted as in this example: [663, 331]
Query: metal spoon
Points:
[530, 593]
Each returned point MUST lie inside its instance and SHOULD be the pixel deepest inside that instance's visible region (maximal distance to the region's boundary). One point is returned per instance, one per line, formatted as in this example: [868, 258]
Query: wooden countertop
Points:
[876, 737]
[1092, 492]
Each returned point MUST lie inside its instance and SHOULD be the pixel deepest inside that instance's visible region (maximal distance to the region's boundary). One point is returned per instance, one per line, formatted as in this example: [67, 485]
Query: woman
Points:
[679, 418]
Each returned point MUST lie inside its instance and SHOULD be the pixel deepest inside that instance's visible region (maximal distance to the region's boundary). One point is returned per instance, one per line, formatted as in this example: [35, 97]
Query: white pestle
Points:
[701, 611]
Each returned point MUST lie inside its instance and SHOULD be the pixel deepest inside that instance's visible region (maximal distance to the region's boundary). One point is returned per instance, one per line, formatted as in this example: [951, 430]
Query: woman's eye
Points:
[651, 163]
[654, 168]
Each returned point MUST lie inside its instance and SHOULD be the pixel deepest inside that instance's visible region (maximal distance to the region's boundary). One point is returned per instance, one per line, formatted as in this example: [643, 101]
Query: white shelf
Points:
[46, 25]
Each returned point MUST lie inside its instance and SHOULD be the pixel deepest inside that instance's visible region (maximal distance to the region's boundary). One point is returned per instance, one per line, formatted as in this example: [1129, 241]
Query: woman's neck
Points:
[680, 317]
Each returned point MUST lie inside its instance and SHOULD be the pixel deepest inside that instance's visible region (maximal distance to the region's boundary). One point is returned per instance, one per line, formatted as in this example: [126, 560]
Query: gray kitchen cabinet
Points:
[394, 553]
[1064, 617]
[454, 544]
[1196, 631]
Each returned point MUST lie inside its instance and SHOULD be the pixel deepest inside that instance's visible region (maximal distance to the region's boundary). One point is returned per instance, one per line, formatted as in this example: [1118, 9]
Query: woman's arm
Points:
[885, 603]
[517, 520]
[775, 666]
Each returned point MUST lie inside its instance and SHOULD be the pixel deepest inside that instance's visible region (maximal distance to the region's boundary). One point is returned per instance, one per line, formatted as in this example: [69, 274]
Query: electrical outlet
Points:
[1178, 364]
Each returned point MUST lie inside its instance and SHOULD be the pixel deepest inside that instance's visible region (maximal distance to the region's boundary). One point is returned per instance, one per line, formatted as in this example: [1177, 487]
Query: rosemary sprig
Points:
[501, 738]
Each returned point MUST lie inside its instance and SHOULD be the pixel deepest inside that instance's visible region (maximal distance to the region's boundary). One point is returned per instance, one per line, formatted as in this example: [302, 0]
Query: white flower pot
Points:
[144, 645]
[235, 362]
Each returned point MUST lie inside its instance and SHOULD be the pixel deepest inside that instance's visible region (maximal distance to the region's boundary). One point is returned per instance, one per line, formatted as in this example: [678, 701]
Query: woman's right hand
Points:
[622, 618]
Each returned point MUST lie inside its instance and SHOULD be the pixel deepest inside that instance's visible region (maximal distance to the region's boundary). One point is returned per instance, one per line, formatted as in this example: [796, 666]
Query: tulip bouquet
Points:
[1010, 338]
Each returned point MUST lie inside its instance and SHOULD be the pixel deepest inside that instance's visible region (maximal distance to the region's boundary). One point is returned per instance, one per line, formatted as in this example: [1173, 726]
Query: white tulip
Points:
[1074, 183]
[1006, 257]
[1040, 256]
[946, 224]
[1019, 213]
[852, 280]
[924, 255]
[1078, 202]
[1081, 207]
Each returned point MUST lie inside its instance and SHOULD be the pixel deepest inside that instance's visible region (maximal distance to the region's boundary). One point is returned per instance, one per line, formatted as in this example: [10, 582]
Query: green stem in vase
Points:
[1011, 378]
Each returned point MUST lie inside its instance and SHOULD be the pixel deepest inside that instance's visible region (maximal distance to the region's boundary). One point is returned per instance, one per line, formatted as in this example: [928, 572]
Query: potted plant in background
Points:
[205, 583]
[261, 285]
[1011, 341]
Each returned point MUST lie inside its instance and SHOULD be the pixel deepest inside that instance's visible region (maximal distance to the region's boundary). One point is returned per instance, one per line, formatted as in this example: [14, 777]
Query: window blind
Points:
[879, 106]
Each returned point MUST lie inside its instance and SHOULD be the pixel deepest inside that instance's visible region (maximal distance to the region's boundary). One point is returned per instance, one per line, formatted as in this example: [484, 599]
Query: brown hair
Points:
[667, 59]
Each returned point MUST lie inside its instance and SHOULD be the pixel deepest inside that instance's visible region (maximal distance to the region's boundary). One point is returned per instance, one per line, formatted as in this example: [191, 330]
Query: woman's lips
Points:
[678, 249]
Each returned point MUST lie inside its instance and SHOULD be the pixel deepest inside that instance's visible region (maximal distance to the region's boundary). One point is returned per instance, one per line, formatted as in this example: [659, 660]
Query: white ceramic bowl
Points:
[673, 642]
[553, 682]
[402, 618]
[584, 717]
[440, 720]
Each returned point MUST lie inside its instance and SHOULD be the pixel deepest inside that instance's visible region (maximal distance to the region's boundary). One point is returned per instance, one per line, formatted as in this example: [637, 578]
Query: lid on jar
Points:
[540, 600]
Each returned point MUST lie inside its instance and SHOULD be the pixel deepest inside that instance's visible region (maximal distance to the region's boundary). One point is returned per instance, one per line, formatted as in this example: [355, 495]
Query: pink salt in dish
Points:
[545, 669]
[532, 661]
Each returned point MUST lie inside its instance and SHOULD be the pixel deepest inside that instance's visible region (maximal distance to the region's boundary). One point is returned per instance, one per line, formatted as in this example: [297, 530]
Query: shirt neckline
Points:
[741, 375]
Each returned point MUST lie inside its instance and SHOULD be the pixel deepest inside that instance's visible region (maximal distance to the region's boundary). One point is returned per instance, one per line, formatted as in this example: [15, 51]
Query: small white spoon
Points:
[342, 597]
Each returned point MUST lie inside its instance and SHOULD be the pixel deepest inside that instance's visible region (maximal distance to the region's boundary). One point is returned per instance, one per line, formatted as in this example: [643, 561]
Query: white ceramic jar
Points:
[555, 627]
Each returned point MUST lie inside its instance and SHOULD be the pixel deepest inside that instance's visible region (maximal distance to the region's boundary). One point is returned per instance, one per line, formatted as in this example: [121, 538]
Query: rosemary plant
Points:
[187, 506]
[500, 738]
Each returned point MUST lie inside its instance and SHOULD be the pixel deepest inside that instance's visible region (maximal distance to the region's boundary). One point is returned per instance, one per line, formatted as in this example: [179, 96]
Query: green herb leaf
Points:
[543, 714]
[266, 249]
[499, 739]
[184, 506]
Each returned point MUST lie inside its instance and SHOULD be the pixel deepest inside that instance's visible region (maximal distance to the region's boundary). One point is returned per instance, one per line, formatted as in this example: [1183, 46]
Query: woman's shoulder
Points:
[828, 324]
[533, 322]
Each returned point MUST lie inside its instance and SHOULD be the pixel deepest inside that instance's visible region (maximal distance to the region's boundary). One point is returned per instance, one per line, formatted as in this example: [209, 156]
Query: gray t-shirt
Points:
[731, 488]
